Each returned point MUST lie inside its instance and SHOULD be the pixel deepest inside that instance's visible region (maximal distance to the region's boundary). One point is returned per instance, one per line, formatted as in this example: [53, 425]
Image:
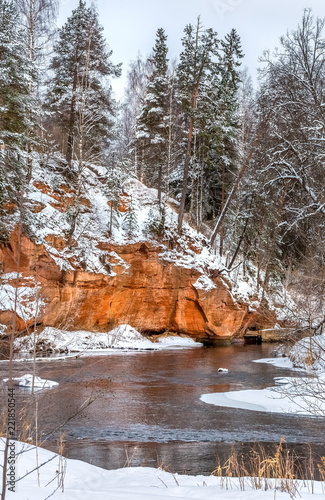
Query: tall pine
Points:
[197, 64]
[222, 129]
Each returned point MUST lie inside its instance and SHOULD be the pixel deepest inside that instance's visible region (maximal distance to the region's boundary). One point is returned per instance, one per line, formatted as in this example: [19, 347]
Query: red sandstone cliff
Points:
[143, 290]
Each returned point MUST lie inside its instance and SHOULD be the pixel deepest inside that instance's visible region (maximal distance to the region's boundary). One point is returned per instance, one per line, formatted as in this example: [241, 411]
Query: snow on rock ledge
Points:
[204, 283]
[97, 281]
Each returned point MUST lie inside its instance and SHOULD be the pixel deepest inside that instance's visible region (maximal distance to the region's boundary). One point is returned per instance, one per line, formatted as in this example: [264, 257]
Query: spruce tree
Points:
[221, 125]
[16, 115]
[152, 129]
[16, 75]
[130, 223]
[79, 95]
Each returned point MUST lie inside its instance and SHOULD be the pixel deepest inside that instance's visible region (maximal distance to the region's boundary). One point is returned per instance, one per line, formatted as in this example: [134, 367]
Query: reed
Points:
[259, 470]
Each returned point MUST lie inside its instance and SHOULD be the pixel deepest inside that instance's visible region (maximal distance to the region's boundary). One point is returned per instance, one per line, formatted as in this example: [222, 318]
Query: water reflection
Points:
[145, 405]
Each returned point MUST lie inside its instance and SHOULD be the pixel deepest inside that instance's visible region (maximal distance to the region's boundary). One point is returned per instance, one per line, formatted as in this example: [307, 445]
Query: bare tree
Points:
[37, 19]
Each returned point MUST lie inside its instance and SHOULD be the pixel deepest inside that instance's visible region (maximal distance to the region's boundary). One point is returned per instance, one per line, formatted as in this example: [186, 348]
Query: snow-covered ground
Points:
[123, 337]
[283, 362]
[67, 479]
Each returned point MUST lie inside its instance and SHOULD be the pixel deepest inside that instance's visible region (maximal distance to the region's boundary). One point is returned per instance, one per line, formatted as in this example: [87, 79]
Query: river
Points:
[146, 409]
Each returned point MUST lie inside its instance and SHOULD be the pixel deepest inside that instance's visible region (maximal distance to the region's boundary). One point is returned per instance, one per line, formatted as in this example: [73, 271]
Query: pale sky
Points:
[131, 25]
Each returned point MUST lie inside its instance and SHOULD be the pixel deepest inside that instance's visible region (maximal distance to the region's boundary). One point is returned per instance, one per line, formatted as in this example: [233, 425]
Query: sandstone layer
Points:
[143, 290]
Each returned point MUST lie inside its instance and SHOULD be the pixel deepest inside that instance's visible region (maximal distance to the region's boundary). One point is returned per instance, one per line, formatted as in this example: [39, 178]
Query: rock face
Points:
[144, 291]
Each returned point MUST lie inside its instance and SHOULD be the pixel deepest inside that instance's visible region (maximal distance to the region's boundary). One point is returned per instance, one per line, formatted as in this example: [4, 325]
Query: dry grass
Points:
[261, 471]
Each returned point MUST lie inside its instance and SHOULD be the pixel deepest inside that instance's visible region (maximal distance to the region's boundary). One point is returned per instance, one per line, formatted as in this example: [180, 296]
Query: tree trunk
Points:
[72, 120]
[237, 182]
[160, 167]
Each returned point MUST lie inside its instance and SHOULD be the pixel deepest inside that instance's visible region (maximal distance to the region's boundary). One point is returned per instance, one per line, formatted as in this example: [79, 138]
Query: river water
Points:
[146, 409]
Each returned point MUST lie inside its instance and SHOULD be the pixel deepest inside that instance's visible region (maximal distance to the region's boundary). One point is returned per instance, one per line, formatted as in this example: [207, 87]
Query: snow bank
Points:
[84, 481]
[55, 340]
[177, 342]
[27, 381]
[122, 337]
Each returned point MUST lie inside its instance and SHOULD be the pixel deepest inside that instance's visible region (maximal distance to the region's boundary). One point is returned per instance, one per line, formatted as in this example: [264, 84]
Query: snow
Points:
[68, 479]
[292, 395]
[178, 342]
[270, 400]
[29, 380]
[282, 362]
[123, 337]
[243, 290]
[204, 283]
[308, 353]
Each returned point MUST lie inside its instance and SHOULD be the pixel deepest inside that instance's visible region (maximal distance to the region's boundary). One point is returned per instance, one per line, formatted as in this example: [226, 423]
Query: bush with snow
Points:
[309, 353]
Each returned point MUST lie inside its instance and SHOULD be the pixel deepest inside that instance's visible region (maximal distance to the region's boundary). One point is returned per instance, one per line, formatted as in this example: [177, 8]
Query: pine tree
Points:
[200, 47]
[79, 95]
[153, 123]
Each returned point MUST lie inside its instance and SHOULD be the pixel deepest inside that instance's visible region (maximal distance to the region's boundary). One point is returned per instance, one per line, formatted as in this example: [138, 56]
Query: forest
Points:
[246, 166]
[189, 213]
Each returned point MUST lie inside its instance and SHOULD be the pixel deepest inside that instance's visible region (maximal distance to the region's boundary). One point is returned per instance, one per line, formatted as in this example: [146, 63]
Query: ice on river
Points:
[27, 381]
[293, 395]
